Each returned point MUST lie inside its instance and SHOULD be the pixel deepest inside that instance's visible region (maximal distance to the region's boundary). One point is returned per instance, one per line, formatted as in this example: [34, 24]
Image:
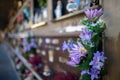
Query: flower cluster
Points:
[96, 65]
[98, 60]
[84, 53]
[76, 53]
[28, 44]
[94, 13]
[86, 35]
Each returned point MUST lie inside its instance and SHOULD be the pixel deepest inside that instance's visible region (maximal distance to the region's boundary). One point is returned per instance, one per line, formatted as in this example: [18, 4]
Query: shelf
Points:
[19, 11]
[18, 54]
[28, 66]
[32, 26]
[10, 25]
[72, 14]
[42, 23]
[38, 24]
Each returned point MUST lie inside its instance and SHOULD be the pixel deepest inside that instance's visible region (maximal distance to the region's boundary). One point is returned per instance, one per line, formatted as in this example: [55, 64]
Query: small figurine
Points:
[25, 24]
[58, 10]
[26, 11]
[71, 6]
[37, 18]
[47, 71]
[85, 4]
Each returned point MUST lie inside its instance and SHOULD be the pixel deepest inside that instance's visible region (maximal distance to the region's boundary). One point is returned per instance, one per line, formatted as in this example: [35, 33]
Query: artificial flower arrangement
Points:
[83, 53]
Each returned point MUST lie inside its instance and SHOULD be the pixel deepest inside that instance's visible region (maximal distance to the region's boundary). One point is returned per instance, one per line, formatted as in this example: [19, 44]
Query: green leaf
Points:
[84, 64]
[103, 72]
[84, 22]
[85, 77]
[43, 3]
[84, 43]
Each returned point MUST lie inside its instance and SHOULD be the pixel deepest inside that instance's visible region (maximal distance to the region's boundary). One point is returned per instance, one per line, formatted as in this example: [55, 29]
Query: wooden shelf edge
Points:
[26, 64]
[16, 15]
[18, 12]
[71, 14]
[35, 26]
[38, 24]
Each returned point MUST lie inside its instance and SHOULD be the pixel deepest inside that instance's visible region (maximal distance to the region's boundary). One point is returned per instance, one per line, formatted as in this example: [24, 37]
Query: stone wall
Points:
[112, 38]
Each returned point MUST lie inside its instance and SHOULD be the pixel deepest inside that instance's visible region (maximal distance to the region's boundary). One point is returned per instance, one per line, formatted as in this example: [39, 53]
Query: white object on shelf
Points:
[45, 13]
[51, 55]
[55, 41]
[72, 7]
[47, 40]
[58, 10]
[43, 53]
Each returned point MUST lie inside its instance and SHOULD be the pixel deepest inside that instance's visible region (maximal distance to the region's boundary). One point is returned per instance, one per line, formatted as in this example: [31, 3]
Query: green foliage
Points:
[32, 51]
[85, 77]
[98, 27]
[43, 3]
[103, 72]
[95, 40]
[84, 43]
[84, 22]
[84, 64]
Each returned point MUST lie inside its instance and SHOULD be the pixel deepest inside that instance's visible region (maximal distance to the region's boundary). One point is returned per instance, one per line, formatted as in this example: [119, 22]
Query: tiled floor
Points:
[7, 69]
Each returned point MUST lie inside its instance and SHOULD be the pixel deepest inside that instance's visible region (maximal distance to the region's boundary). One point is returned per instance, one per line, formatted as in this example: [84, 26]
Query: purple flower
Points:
[93, 13]
[24, 42]
[64, 46]
[33, 45]
[84, 72]
[68, 45]
[24, 39]
[94, 73]
[98, 60]
[76, 52]
[100, 56]
[78, 49]
[75, 57]
[96, 64]
[71, 63]
[86, 35]
[32, 40]
[27, 48]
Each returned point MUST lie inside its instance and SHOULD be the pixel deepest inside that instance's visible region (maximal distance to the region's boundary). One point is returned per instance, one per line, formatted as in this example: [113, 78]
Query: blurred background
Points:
[45, 25]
